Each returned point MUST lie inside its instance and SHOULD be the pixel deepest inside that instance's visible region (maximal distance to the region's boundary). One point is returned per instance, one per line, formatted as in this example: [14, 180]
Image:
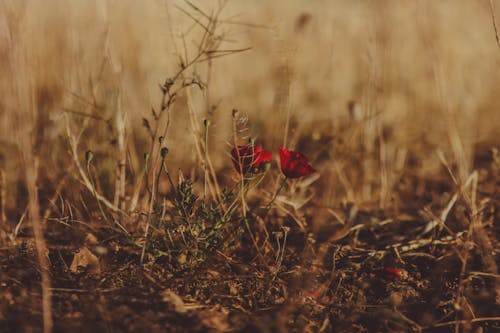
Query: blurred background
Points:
[367, 89]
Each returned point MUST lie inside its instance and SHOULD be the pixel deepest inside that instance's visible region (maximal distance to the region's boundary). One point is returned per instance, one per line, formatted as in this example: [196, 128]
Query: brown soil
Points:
[378, 273]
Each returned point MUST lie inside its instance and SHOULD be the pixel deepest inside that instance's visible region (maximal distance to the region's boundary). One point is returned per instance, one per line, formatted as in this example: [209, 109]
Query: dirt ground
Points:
[382, 271]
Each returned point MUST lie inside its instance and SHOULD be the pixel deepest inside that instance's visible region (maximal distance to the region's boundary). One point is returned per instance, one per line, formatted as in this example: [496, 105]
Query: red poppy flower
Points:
[246, 158]
[391, 272]
[294, 164]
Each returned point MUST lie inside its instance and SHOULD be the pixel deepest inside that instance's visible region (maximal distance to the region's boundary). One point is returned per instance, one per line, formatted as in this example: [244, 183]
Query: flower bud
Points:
[207, 122]
[164, 152]
[89, 155]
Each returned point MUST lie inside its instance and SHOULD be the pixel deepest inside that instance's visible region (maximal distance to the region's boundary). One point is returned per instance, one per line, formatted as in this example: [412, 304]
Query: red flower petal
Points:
[266, 156]
[391, 272]
[247, 158]
[294, 164]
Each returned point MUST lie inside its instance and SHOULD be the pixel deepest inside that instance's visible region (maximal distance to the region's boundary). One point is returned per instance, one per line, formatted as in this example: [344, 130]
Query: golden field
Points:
[395, 103]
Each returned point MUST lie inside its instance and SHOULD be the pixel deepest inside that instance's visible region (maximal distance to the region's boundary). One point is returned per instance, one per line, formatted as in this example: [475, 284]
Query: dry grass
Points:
[395, 102]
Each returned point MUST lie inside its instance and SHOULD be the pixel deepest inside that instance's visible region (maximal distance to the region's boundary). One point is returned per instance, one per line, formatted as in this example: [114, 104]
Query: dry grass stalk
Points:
[121, 122]
[74, 141]
[31, 171]
[151, 202]
[494, 22]
[3, 198]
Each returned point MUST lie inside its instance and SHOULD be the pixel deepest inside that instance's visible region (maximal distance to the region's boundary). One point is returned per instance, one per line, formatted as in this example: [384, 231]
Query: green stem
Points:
[207, 123]
[232, 206]
[168, 176]
[184, 212]
[254, 241]
[146, 172]
[152, 198]
[268, 206]
[158, 181]
[242, 191]
[95, 192]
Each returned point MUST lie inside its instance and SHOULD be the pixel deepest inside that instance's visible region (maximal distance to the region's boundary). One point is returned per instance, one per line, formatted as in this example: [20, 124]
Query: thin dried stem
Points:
[3, 198]
[73, 140]
[494, 22]
[31, 170]
[152, 198]
[119, 199]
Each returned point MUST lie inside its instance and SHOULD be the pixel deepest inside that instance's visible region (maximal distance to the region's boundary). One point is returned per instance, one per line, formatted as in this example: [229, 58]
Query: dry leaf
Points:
[90, 239]
[170, 297]
[86, 260]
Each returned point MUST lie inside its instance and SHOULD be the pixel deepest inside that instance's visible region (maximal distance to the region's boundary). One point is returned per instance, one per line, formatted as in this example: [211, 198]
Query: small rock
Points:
[170, 297]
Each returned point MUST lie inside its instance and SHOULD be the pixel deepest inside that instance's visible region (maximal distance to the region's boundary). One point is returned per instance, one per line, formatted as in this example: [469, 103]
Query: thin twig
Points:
[94, 190]
[152, 197]
[454, 322]
[494, 22]
[268, 206]
[74, 140]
